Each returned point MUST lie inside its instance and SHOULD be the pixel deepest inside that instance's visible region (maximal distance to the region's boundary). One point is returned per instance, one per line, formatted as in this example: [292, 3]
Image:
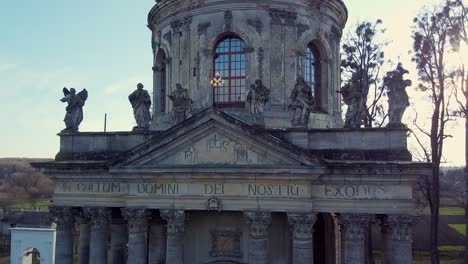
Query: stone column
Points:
[83, 220]
[302, 228]
[353, 233]
[175, 235]
[157, 242]
[100, 219]
[137, 235]
[65, 219]
[119, 237]
[258, 236]
[399, 239]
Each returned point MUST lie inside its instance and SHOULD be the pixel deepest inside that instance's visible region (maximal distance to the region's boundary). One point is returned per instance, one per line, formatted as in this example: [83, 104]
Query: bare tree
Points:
[434, 36]
[363, 58]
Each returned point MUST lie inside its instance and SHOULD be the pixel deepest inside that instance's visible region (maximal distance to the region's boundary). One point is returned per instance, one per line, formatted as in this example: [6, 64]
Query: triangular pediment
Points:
[215, 139]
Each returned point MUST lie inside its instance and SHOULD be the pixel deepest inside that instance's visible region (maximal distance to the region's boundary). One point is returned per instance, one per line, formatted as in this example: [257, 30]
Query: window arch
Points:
[312, 69]
[229, 61]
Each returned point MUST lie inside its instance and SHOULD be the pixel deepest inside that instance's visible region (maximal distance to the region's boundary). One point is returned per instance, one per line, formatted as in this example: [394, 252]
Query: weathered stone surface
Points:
[258, 236]
[64, 217]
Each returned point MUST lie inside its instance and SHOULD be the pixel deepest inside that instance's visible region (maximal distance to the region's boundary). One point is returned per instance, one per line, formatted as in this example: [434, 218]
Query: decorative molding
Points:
[258, 223]
[301, 28]
[203, 27]
[282, 17]
[137, 219]
[302, 225]
[226, 243]
[256, 24]
[168, 37]
[400, 226]
[261, 58]
[214, 204]
[181, 24]
[175, 220]
[228, 20]
[100, 218]
[354, 226]
[63, 217]
[313, 3]
[336, 33]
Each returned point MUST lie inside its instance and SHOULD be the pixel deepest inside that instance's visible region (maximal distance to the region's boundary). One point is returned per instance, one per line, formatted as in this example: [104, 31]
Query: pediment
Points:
[213, 141]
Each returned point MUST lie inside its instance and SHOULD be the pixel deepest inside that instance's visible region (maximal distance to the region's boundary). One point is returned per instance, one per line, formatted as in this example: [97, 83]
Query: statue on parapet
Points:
[354, 98]
[181, 103]
[302, 103]
[398, 99]
[258, 96]
[74, 109]
[141, 103]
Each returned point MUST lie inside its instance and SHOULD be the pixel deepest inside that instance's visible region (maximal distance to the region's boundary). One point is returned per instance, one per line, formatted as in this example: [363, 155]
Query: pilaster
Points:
[400, 235]
[302, 229]
[137, 235]
[100, 219]
[84, 220]
[64, 218]
[175, 235]
[353, 232]
[258, 236]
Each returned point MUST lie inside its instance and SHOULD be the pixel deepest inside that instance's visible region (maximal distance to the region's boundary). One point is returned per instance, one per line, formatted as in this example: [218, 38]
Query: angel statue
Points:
[74, 109]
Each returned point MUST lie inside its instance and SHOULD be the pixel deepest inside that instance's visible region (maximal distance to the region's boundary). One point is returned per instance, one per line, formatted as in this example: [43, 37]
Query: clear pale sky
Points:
[104, 46]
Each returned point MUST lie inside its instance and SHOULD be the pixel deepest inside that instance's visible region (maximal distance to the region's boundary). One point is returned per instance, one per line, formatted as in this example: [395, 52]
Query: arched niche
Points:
[26, 243]
[161, 81]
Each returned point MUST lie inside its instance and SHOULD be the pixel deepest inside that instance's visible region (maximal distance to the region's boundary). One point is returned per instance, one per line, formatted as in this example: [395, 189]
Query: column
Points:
[137, 235]
[119, 237]
[258, 236]
[157, 242]
[65, 220]
[100, 219]
[399, 239]
[353, 232]
[175, 235]
[85, 233]
[302, 228]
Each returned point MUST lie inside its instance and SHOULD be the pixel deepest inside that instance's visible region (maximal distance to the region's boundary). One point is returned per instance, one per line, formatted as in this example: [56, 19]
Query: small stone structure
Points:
[29, 242]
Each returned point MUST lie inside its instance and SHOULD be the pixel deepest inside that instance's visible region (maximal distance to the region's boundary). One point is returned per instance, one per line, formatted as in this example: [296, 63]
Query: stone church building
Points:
[246, 159]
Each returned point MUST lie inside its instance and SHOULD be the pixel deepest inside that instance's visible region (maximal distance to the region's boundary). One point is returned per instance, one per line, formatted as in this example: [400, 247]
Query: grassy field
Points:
[460, 228]
[43, 205]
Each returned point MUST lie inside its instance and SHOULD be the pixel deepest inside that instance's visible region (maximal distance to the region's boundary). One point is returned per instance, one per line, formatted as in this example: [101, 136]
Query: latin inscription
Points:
[273, 190]
[353, 191]
[158, 188]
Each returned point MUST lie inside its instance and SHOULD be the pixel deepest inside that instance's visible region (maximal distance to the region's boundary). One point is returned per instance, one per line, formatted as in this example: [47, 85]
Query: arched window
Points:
[160, 82]
[312, 70]
[229, 61]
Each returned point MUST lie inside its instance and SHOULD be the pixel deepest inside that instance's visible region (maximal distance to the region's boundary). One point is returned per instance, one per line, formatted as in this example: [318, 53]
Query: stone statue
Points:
[398, 99]
[181, 103]
[74, 109]
[258, 96]
[141, 103]
[302, 103]
[353, 97]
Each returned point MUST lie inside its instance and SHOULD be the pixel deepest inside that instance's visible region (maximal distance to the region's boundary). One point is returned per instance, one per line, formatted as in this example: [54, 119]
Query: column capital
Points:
[354, 226]
[400, 226]
[258, 222]
[137, 219]
[100, 217]
[63, 216]
[82, 216]
[175, 220]
[302, 225]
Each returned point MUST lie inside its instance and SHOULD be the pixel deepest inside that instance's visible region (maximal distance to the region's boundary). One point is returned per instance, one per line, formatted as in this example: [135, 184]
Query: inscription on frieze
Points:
[360, 191]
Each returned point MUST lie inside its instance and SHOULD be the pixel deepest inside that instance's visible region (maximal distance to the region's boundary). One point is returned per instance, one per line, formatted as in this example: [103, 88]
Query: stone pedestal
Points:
[118, 251]
[137, 235]
[100, 220]
[399, 239]
[353, 233]
[302, 228]
[64, 248]
[258, 236]
[157, 243]
[175, 235]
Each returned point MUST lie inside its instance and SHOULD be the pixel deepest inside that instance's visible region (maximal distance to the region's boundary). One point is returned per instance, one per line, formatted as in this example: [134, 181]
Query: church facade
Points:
[246, 159]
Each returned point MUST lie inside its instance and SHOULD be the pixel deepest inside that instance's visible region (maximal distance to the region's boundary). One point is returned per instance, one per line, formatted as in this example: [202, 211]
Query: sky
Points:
[104, 46]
